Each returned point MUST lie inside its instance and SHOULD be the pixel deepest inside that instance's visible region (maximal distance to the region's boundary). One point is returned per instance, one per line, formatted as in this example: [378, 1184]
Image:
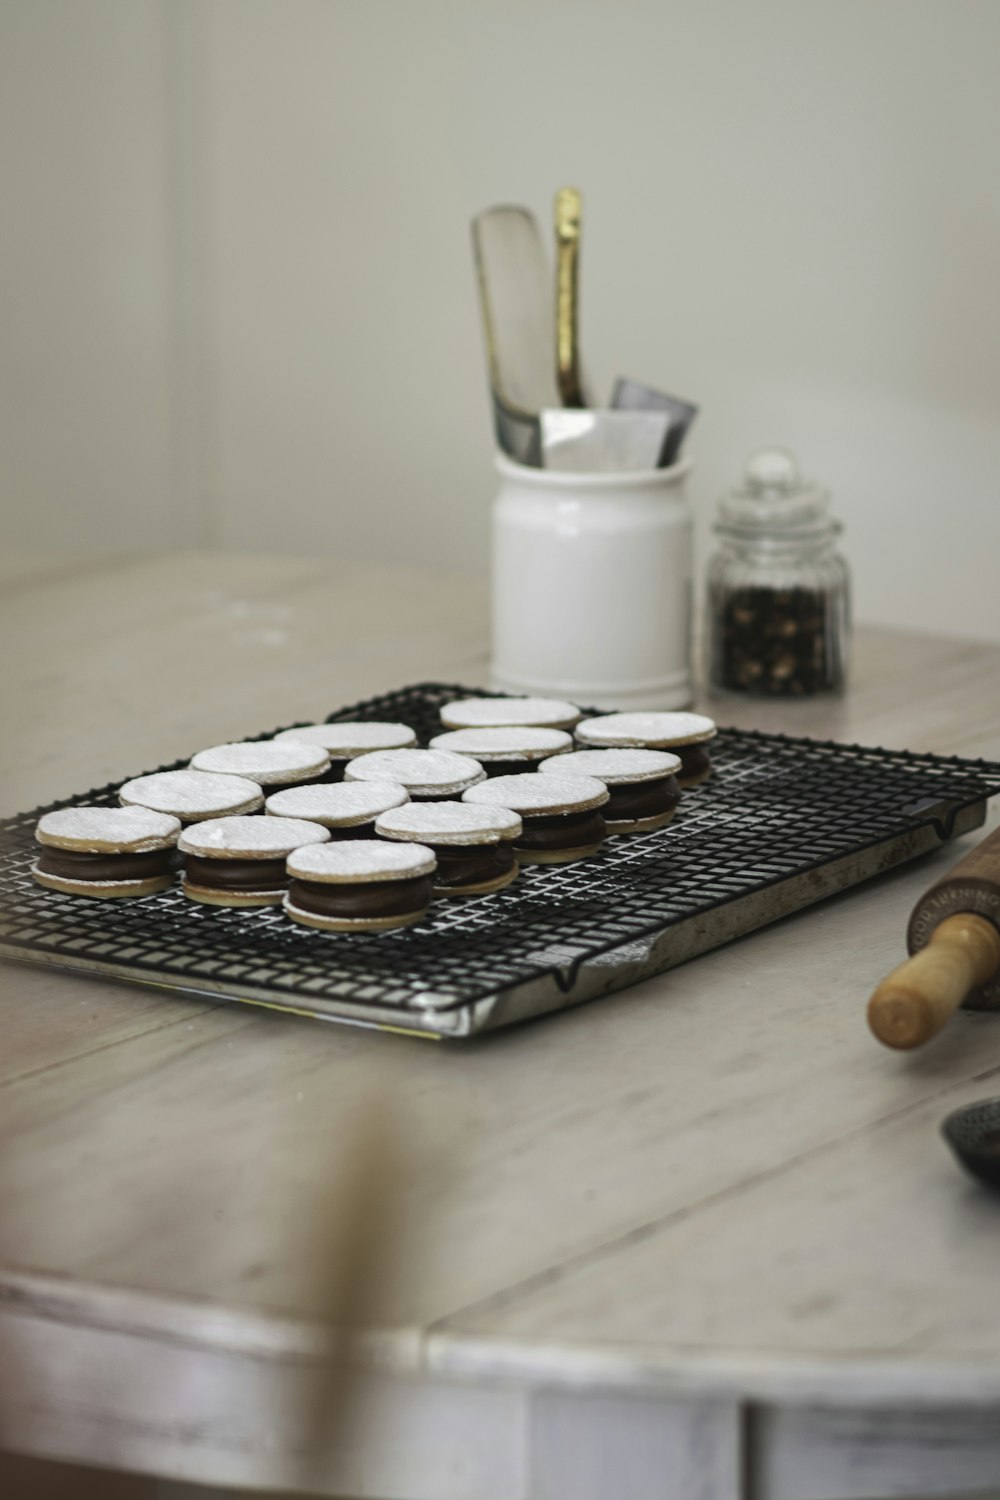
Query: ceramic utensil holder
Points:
[592, 585]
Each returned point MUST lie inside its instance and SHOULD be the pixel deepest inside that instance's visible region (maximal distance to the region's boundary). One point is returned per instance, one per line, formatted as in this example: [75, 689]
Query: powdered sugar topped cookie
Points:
[478, 713]
[345, 804]
[344, 740]
[449, 823]
[268, 762]
[246, 838]
[652, 730]
[424, 773]
[615, 767]
[507, 743]
[192, 795]
[103, 830]
[360, 861]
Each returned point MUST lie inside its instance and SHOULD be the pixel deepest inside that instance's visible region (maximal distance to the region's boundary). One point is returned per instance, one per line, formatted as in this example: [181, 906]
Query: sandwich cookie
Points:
[501, 749]
[241, 861]
[561, 815]
[473, 845]
[342, 742]
[642, 784]
[483, 713]
[686, 734]
[106, 851]
[192, 795]
[426, 774]
[348, 808]
[271, 764]
[360, 886]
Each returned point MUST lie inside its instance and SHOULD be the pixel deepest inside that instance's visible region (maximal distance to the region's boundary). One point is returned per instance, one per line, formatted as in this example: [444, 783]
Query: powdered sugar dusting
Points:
[536, 794]
[505, 742]
[352, 737]
[362, 860]
[246, 838]
[192, 794]
[422, 772]
[449, 823]
[265, 761]
[616, 767]
[101, 830]
[340, 805]
[645, 729]
[477, 713]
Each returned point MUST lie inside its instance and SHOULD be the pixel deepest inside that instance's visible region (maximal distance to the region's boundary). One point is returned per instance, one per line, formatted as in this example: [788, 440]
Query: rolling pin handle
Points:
[915, 1001]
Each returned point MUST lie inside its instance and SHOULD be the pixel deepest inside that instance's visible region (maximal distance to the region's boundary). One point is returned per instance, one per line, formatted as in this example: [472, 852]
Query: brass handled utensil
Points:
[954, 939]
[568, 222]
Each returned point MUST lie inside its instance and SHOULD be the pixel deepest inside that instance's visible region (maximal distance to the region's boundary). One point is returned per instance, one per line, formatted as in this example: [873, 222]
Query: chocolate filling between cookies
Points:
[370, 898]
[472, 864]
[71, 864]
[695, 761]
[632, 800]
[236, 874]
[562, 830]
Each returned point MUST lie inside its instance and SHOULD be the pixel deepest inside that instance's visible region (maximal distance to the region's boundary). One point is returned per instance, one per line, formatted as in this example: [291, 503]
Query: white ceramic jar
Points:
[592, 586]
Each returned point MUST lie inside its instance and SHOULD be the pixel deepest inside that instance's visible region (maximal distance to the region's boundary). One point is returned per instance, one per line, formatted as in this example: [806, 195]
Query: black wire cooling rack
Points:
[781, 823]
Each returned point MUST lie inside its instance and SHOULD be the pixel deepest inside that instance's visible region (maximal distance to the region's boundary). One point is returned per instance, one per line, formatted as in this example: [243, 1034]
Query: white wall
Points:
[236, 245]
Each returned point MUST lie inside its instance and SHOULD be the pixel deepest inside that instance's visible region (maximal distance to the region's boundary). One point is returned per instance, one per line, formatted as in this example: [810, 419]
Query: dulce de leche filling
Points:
[472, 864]
[69, 864]
[562, 830]
[632, 800]
[364, 898]
[236, 874]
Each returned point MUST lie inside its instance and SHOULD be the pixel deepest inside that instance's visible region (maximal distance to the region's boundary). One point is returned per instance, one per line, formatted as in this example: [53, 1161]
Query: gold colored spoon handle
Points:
[568, 217]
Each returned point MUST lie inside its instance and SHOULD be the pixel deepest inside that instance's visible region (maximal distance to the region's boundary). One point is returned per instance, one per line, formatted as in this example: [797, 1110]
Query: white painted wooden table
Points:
[700, 1239]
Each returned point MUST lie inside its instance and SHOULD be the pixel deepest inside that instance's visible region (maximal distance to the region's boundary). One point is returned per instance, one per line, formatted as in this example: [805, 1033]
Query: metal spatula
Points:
[515, 298]
[632, 395]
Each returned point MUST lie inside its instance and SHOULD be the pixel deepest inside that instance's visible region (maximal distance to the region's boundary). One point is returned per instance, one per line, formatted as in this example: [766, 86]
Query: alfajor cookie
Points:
[272, 764]
[360, 886]
[642, 784]
[482, 713]
[345, 740]
[502, 749]
[347, 808]
[241, 861]
[437, 774]
[192, 795]
[561, 815]
[685, 734]
[474, 846]
[106, 851]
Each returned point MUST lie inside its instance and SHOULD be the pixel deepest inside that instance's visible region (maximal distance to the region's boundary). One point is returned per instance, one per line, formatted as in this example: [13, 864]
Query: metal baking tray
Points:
[782, 823]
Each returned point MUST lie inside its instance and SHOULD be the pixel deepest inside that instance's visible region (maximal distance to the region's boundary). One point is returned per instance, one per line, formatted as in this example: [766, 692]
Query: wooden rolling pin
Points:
[954, 936]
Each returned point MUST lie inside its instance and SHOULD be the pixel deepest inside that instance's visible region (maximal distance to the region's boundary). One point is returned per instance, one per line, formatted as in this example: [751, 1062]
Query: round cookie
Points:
[270, 763]
[241, 861]
[502, 748]
[349, 738]
[642, 784]
[425, 774]
[483, 713]
[347, 808]
[192, 795]
[561, 815]
[685, 733]
[106, 851]
[473, 845]
[360, 886]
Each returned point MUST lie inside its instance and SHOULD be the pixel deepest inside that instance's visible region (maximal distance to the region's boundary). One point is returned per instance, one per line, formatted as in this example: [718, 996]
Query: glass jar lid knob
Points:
[772, 494]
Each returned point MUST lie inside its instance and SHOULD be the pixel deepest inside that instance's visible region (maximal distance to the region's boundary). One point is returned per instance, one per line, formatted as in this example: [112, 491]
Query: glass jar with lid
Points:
[778, 598]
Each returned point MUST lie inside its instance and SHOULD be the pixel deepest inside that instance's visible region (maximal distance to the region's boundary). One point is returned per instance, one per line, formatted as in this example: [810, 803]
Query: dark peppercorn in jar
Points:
[778, 594]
